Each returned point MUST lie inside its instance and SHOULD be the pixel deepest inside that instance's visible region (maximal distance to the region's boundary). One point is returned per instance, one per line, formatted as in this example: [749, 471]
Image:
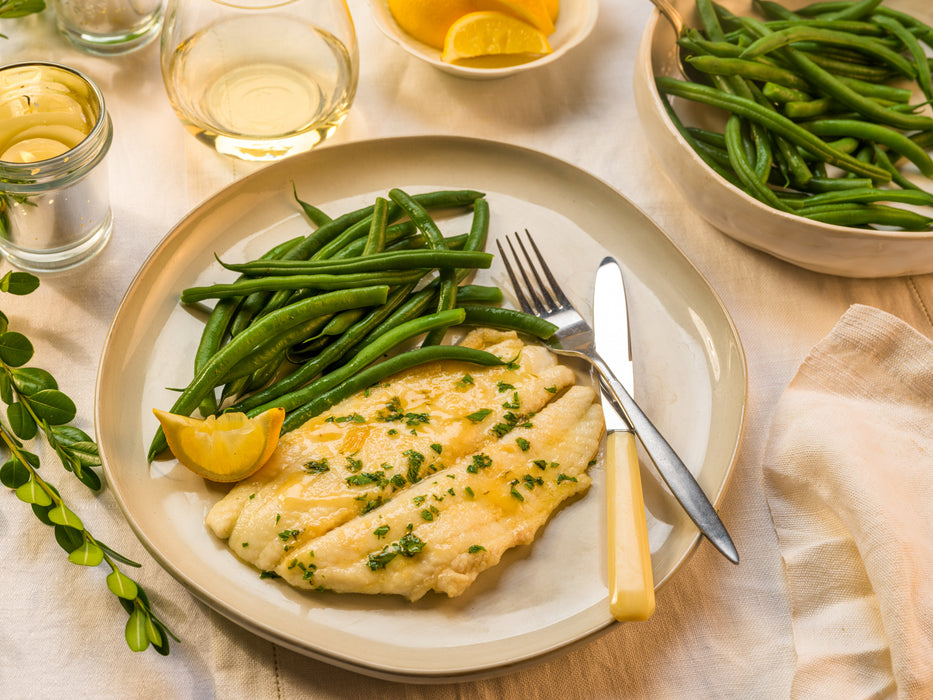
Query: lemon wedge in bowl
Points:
[225, 448]
[492, 33]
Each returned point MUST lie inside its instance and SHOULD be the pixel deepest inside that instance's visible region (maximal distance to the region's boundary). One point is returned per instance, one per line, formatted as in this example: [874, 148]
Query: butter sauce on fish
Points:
[421, 482]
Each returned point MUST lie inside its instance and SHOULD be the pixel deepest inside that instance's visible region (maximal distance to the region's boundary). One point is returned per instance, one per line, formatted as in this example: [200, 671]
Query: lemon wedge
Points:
[428, 20]
[492, 33]
[534, 12]
[226, 448]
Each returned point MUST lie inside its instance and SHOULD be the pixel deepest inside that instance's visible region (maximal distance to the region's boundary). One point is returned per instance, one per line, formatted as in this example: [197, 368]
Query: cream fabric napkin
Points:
[849, 480]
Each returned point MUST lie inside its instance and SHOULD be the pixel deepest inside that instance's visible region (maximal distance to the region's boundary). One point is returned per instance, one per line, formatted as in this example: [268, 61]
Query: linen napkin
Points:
[849, 480]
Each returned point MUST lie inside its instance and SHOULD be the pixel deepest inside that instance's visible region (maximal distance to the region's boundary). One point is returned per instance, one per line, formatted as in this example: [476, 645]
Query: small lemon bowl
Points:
[820, 247]
[574, 23]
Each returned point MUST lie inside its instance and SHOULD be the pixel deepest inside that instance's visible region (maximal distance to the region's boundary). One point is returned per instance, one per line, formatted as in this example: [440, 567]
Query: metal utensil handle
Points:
[674, 472]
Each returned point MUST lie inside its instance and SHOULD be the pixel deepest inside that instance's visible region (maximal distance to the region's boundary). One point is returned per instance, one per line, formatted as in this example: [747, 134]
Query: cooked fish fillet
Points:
[406, 450]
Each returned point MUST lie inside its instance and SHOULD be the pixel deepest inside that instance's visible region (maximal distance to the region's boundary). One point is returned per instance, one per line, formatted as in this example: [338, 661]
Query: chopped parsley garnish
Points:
[564, 477]
[415, 460]
[503, 386]
[465, 381]
[551, 389]
[366, 478]
[515, 494]
[381, 531]
[268, 574]
[316, 466]
[480, 461]
[437, 447]
[408, 546]
[474, 548]
[352, 418]
[523, 444]
[469, 492]
[371, 505]
[354, 465]
[480, 415]
[512, 405]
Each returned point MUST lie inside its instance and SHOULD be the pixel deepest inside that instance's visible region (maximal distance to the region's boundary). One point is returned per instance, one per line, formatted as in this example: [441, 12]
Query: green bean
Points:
[748, 69]
[752, 184]
[378, 372]
[783, 94]
[878, 91]
[508, 319]
[376, 240]
[329, 355]
[866, 194]
[709, 19]
[447, 295]
[326, 233]
[365, 357]
[238, 347]
[837, 89]
[390, 260]
[771, 120]
[913, 46]
[852, 26]
[299, 282]
[478, 294]
[834, 184]
[874, 132]
[775, 11]
[870, 214]
[779, 39]
[275, 346]
[315, 215]
[855, 10]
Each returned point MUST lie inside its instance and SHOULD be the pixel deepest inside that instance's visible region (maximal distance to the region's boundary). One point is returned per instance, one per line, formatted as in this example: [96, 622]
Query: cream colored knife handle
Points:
[631, 584]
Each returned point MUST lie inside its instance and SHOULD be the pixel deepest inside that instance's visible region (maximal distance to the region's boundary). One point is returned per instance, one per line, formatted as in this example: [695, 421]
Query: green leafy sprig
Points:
[36, 405]
[11, 9]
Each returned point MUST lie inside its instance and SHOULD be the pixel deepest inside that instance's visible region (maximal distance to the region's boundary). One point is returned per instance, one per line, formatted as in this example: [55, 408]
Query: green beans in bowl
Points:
[803, 129]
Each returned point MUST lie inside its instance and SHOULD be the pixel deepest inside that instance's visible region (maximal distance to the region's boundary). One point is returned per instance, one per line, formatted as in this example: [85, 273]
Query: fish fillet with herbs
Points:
[422, 482]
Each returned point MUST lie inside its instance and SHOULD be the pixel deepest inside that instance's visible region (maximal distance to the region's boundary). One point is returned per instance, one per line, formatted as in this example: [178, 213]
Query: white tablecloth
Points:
[719, 631]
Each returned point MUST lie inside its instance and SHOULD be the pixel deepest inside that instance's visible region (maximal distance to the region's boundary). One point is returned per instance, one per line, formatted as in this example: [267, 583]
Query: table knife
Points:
[614, 346]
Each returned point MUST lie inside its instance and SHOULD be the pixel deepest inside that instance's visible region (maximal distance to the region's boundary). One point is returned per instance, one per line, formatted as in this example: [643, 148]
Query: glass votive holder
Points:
[54, 188]
[260, 79]
[109, 27]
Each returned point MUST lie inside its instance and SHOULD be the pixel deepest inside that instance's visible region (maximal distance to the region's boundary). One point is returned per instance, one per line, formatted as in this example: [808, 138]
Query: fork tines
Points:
[541, 298]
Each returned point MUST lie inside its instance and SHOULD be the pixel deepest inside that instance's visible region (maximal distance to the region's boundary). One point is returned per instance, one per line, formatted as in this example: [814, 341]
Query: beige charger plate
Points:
[542, 599]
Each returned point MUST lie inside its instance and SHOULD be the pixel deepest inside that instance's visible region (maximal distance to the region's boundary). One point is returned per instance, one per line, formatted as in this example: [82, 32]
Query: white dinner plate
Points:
[541, 599]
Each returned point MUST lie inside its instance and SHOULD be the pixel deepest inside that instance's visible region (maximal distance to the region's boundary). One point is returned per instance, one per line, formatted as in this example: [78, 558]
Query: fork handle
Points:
[675, 473]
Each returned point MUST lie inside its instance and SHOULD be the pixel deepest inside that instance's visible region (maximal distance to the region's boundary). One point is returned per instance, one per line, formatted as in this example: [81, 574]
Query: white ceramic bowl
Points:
[574, 23]
[826, 248]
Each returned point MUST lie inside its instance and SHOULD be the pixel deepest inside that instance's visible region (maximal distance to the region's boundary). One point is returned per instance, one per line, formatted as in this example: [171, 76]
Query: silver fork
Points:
[545, 299]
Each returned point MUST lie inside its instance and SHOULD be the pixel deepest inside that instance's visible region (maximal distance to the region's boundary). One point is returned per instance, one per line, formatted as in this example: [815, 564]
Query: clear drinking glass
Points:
[260, 79]
[108, 27]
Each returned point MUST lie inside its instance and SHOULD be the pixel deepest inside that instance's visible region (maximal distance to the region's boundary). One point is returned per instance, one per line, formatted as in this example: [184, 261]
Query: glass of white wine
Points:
[260, 79]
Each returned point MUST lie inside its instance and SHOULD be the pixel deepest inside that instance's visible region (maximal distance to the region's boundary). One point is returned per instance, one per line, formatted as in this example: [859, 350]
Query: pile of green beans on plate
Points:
[825, 106]
[320, 317]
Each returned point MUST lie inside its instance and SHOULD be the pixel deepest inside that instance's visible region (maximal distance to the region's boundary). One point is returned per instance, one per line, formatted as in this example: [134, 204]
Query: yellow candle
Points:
[44, 113]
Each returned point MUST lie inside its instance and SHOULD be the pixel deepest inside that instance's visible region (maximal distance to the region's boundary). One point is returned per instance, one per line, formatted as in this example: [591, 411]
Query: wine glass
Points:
[260, 79]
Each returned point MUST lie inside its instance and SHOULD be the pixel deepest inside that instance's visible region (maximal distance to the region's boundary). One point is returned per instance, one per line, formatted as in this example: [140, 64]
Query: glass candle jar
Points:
[109, 27]
[54, 190]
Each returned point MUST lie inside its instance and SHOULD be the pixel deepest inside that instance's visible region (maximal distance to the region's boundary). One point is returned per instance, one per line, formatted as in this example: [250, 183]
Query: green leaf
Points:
[29, 380]
[15, 349]
[89, 478]
[122, 585]
[53, 406]
[19, 283]
[152, 631]
[68, 538]
[136, 637]
[4, 322]
[42, 512]
[6, 389]
[20, 8]
[69, 435]
[62, 515]
[14, 474]
[116, 556]
[21, 421]
[88, 554]
[32, 492]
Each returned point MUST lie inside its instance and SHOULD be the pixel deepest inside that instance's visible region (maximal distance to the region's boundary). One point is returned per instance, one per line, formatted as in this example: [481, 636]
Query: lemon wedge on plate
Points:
[428, 20]
[226, 448]
[492, 33]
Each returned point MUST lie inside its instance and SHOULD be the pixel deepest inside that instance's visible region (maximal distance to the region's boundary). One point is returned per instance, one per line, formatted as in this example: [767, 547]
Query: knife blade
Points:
[614, 360]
